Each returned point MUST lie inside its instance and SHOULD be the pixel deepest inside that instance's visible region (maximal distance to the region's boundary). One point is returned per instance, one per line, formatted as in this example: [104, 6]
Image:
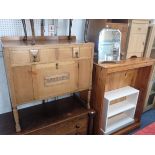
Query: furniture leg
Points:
[88, 99]
[91, 122]
[16, 118]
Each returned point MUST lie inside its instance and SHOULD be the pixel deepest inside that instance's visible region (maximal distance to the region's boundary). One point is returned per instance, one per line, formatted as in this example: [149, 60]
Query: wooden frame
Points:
[135, 73]
[147, 54]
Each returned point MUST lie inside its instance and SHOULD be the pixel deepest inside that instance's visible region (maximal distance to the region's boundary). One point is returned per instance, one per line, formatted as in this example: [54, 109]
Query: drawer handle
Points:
[57, 65]
[76, 53]
[34, 55]
[77, 126]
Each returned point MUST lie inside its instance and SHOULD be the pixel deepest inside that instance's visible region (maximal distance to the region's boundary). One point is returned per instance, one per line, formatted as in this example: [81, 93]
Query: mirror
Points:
[109, 45]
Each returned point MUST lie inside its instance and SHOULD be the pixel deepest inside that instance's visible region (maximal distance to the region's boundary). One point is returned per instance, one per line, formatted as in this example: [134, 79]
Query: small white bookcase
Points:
[117, 115]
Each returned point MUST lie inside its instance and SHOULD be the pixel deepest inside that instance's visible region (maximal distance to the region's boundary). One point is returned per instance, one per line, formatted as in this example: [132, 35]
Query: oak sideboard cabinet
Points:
[50, 68]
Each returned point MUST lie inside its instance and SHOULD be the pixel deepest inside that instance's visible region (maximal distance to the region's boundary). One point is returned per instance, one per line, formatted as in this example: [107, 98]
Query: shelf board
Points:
[117, 122]
[119, 108]
[121, 92]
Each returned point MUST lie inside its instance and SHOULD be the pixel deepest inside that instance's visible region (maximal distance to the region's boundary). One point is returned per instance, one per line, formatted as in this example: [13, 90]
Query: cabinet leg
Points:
[16, 118]
[88, 99]
[91, 123]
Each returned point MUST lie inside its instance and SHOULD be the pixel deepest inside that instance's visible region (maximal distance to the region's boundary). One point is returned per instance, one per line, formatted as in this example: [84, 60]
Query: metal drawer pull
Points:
[76, 53]
[34, 55]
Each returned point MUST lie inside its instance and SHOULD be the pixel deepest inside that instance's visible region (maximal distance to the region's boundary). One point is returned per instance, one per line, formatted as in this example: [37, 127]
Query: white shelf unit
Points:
[119, 108]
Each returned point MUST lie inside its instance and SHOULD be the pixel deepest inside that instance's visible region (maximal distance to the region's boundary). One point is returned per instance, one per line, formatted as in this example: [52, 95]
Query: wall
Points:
[14, 28]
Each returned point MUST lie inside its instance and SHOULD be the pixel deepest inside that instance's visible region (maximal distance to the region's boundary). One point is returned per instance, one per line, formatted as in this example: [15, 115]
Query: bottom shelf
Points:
[117, 122]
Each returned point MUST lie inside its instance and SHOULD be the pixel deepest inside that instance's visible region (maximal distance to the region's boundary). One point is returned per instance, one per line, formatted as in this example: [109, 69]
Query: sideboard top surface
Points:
[127, 64]
[11, 42]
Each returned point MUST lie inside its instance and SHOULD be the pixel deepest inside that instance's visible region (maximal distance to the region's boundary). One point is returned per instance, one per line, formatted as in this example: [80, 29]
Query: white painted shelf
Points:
[120, 107]
[121, 92]
[118, 122]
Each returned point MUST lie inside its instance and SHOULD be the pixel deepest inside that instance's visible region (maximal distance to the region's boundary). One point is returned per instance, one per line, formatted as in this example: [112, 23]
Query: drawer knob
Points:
[77, 126]
[57, 65]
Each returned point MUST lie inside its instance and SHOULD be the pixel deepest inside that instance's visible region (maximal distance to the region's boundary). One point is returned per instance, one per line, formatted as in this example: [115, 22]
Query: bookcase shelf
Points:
[119, 108]
[120, 105]
[118, 122]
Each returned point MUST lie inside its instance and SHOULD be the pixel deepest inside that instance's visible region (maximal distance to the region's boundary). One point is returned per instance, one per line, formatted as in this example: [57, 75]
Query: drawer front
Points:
[86, 52]
[65, 54]
[74, 126]
[27, 56]
[54, 79]
[129, 55]
[139, 28]
[74, 53]
[47, 55]
[19, 57]
[140, 21]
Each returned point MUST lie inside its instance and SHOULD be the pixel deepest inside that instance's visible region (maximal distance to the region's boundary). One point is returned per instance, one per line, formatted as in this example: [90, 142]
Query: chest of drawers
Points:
[48, 69]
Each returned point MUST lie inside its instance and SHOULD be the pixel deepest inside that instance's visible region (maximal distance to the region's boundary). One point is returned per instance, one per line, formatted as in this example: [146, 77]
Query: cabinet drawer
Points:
[20, 57]
[47, 55]
[65, 54]
[139, 28]
[85, 52]
[138, 54]
[67, 127]
[74, 52]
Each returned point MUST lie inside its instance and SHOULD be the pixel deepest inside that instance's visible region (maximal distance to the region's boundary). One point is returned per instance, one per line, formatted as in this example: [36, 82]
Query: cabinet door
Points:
[54, 79]
[23, 86]
[85, 73]
[136, 43]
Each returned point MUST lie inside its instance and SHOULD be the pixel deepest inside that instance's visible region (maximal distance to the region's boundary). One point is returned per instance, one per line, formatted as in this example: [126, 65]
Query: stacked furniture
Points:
[50, 68]
[116, 88]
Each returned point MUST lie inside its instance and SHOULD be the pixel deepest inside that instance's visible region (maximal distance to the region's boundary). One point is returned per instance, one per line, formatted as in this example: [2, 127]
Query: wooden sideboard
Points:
[52, 67]
[107, 76]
